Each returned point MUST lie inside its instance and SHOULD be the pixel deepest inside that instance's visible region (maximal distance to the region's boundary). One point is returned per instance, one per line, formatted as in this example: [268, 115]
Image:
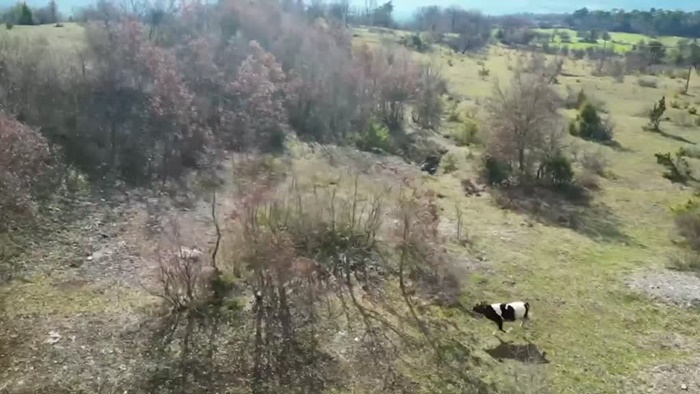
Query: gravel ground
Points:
[682, 289]
[678, 378]
[670, 286]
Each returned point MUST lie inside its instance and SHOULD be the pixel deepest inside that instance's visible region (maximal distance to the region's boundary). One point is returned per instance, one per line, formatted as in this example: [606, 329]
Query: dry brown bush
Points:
[26, 170]
[595, 161]
[319, 262]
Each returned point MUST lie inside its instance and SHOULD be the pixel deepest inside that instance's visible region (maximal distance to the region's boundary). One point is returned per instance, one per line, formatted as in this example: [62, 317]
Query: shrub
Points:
[677, 168]
[467, 134]
[449, 163]
[692, 110]
[588, 180]
[690, 151]
[556, 170]
[656, 114]
[9, 25]
[616, 69]
[648, 82]
[589, 125]
[376, 137]
[675, 104]
[428, 107]
[184, 276]
[595, 162]
[26, 165]
[483, 71]
[688, 261]
[494, 171]
[453, 115]
[687, 220]
[420, 43]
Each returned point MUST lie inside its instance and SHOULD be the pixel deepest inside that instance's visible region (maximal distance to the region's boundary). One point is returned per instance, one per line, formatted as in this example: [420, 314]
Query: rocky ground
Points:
[679, 288]
[669, 286]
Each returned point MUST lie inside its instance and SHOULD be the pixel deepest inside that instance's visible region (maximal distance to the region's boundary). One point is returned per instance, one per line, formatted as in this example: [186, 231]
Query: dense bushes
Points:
[124, 107]
[26, 165]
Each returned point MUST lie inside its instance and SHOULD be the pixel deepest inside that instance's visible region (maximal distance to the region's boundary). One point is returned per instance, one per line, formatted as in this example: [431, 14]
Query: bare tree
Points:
[526, 127]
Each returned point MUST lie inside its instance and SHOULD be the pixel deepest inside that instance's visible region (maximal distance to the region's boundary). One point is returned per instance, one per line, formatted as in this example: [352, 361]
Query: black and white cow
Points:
[499, 313]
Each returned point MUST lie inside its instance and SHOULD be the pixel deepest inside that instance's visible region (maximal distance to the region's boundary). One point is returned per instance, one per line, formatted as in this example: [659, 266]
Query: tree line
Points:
[22, 14]
[654, 22]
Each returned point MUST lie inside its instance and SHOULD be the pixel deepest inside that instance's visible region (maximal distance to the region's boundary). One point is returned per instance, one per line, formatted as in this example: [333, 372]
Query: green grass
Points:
[621, 42]
[596, 331]
[66, 38]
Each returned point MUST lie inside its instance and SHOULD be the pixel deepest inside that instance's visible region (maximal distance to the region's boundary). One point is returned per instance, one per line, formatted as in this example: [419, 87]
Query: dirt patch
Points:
[669, 286]
[679, 378]
[70, 354]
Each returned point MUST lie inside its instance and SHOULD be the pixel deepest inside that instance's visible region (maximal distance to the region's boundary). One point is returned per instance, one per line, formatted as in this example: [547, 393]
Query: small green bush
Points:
[9, 25]
[677, 168]
[467, 134]
[449, 163]
[656, 114]
[494, 171]
[589, 125]
[557, 170]
[376, 137]
[692, 110]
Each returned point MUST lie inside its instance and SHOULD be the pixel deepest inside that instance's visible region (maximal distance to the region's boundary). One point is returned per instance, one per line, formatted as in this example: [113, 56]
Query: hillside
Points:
[84, 305]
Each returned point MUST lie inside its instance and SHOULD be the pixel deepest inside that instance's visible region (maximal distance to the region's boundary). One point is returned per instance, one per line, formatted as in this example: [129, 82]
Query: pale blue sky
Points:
[406, 7]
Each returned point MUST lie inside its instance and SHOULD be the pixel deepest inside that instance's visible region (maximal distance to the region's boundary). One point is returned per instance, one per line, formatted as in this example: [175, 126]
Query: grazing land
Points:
[79, 308]
[621, 42]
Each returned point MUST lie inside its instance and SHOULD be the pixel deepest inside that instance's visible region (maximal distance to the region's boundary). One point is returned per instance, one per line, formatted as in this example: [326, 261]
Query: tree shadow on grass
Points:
[675, 137]
[571, 207]
[618, 147]
[669, 135]
[525, 353]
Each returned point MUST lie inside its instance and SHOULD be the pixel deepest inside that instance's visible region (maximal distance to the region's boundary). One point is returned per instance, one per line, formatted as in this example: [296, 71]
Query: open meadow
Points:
[608, 315]
[621, 42]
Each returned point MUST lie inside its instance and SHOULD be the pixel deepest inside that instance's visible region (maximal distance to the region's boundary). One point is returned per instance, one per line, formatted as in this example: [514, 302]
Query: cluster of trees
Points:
[472, 28]
[652, 22]
[145, 102]
[22, 14]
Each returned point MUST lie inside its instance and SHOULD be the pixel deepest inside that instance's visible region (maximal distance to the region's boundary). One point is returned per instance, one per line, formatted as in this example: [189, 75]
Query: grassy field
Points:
[622, 42]
[65, 38]
[599, 336]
